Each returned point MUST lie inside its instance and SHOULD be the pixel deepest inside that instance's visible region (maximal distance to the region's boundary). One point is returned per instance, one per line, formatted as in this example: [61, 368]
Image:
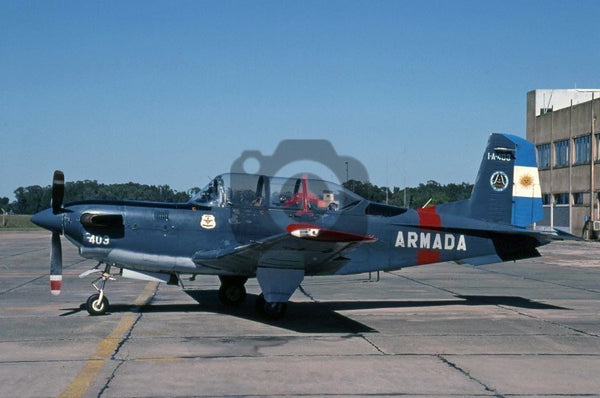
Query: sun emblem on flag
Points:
[526, 180]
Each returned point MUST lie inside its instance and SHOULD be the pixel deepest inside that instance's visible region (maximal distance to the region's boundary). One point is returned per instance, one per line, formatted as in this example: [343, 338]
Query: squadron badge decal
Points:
[208, 221]
[499, 181]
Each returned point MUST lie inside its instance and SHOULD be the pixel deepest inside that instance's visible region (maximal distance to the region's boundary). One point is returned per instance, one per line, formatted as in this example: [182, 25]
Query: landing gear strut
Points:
[97, 303]
[232, 292]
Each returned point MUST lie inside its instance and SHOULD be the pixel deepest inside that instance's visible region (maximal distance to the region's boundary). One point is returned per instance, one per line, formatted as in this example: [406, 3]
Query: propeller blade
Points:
[58, 191]
[56, 265]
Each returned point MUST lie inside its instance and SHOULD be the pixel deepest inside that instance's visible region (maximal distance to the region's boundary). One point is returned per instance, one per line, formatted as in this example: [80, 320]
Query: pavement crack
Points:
[509, 308]
[144, 299]
[125, 338]
[373, 345]
[549, 322]
[529, 278]
[106, 385]
[469, 376]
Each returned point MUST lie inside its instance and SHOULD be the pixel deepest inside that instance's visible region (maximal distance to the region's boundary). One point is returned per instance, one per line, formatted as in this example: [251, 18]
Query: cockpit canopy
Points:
[246, 190]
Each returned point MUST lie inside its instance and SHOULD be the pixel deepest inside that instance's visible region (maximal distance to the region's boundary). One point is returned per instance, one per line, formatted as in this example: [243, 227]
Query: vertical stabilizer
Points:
[507, 189]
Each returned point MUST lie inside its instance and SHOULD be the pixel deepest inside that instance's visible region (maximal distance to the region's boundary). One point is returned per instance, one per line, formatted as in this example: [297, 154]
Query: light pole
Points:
[346, 172]
[592, 159]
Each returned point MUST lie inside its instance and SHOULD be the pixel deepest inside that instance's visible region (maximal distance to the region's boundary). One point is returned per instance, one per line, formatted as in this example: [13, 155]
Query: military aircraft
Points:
[279, 230]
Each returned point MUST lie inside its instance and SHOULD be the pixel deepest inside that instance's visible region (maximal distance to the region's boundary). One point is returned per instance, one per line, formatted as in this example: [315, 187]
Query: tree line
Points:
[31, 199]
[430, 193]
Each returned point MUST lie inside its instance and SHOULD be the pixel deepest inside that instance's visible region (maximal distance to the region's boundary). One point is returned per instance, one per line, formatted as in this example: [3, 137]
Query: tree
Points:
[31, 199]
[418, 196]
[34, 198]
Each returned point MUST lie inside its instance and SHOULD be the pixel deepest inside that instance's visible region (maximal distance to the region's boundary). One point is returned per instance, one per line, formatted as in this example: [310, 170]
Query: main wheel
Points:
[95, 306]
[270, 310]
[232, 294]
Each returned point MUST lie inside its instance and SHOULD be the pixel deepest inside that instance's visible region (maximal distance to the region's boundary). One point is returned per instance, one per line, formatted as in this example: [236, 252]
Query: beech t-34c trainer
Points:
[278, 230]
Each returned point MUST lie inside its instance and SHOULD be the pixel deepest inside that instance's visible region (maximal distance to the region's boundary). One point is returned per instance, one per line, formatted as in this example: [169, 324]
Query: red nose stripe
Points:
[428, 219]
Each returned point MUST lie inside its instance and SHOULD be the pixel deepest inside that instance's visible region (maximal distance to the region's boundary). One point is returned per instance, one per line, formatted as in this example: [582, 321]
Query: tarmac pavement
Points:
[530, 328]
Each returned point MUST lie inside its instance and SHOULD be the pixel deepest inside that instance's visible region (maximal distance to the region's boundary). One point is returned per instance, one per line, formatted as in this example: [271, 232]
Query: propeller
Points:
[55, 265]
[58, 193]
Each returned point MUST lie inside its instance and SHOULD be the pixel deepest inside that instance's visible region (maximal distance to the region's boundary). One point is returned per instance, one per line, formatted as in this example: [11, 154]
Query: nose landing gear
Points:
[97, 303]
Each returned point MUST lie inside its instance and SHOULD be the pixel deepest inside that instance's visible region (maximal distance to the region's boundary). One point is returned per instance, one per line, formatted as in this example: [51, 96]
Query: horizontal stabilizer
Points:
[564, 235]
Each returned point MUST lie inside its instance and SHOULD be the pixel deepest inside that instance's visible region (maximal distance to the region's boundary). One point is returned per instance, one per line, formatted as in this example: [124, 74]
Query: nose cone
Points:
[48, 220]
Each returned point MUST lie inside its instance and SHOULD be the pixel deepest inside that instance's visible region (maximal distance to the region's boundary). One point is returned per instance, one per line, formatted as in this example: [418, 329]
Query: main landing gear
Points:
[97, 303]
[232, 293]
[273, 311]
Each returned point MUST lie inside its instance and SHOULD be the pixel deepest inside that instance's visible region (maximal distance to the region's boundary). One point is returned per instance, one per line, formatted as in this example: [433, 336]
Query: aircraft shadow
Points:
[510, 301]
[301, 317]
[317, 317]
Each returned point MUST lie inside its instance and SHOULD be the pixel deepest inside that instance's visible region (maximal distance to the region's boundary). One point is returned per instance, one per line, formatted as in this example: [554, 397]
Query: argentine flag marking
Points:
[526, 182]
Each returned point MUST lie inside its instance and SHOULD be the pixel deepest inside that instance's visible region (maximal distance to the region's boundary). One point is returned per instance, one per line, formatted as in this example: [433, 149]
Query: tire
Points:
[232, 294]
[272, 311]
[94, 307]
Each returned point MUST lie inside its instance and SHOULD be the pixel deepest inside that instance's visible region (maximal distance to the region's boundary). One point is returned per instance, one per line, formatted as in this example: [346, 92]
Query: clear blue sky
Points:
[173, 92]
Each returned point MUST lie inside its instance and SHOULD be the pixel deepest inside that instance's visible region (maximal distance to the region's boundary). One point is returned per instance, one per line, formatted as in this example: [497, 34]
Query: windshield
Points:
[275, 192]
[213, 194]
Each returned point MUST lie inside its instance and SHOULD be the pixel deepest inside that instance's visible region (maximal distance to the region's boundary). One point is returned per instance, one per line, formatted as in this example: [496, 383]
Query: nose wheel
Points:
[97, 303]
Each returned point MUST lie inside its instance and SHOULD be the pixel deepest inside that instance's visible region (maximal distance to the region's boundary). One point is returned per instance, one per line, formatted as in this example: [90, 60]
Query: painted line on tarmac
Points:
[107, 347]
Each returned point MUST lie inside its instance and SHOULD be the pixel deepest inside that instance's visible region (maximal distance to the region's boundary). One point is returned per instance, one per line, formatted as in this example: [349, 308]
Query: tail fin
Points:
[507, 189]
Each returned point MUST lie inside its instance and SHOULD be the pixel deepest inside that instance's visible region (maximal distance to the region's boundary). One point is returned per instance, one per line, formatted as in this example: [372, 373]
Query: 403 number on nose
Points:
[97, 239]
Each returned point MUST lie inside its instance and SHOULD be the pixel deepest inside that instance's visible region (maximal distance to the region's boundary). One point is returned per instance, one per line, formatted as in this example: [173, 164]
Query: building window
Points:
[582, 150]
[578, 198]
[545, 198]
[543, 152]
[597, 146]
[561, 198]
[561, 153]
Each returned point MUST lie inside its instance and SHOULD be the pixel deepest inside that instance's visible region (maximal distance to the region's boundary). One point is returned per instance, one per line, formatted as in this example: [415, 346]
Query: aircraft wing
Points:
[314, 249]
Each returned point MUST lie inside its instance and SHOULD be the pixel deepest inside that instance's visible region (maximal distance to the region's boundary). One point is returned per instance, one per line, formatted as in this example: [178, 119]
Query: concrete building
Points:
[559, 123]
